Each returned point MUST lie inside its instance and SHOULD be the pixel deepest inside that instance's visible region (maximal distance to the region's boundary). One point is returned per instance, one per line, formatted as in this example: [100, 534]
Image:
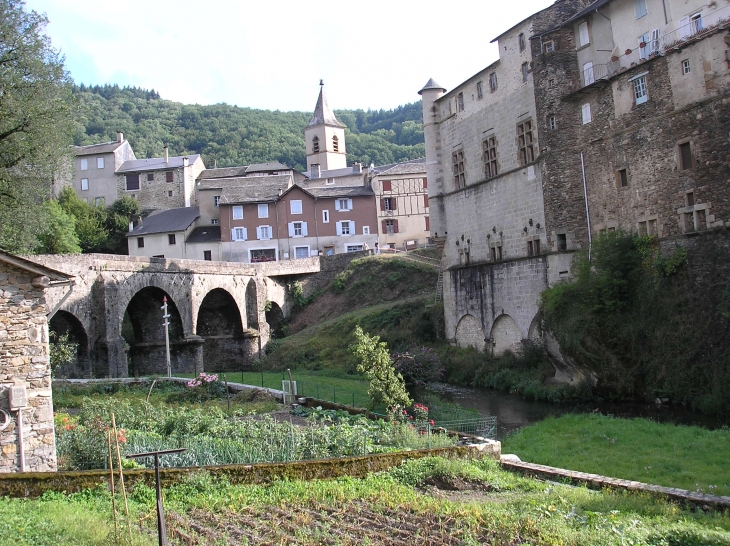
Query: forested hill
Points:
[230, 135]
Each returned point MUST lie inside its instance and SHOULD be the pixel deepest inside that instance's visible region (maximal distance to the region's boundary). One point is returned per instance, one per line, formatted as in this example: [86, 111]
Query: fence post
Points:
[353, 399]
[334, 395]
[317, 391]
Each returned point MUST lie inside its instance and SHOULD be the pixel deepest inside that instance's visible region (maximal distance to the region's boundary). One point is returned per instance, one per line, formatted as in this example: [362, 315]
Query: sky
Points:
[271, 54]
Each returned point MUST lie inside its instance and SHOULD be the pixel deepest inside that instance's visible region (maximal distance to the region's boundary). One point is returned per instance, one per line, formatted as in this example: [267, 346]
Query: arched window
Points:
[335, 144]
[315, 145]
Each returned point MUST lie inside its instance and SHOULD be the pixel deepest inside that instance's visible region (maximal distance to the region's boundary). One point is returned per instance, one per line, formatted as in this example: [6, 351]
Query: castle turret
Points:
[325, 137]
[430, 93]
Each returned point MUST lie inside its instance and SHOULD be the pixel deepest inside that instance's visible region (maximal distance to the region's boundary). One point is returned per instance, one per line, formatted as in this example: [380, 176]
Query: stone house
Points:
[401, 193]
[166, 234]
[95, 167]
[27, 436]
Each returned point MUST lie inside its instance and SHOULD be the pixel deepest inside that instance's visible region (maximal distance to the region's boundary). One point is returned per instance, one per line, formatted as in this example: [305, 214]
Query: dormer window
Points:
[335, 144]
[315, 145]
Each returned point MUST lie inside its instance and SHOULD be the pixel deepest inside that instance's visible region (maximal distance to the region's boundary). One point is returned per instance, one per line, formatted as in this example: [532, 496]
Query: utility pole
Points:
[166, 324]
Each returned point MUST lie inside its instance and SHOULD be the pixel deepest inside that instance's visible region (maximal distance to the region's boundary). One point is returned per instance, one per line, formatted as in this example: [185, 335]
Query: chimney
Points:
[120, 136]
[131, 226]
[281, 192]
[185, 161]
[357, 168]
[167, 158]
[315, 171]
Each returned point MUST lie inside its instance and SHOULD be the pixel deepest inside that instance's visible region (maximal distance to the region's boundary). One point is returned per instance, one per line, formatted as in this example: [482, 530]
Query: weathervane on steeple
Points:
[321, 83]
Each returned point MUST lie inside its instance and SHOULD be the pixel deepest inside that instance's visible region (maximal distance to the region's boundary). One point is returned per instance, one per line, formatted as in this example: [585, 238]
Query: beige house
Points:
[164, 234]
[95, 168]
[27, 436]
[401, 195]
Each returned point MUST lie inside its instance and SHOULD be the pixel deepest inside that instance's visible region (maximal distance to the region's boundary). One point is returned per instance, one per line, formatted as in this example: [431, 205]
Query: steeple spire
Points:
[323, 114]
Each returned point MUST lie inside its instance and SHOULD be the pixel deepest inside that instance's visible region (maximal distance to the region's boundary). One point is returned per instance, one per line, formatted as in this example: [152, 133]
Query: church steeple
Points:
[325, 137]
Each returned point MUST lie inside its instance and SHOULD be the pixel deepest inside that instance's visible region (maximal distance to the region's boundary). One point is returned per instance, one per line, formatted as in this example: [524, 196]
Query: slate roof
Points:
[34, 267]
[166, 221]
[103, 148]
[585, 11]
[413, 166]
[333, 173]
[431, 84]
[205, 234]
[155, 164]
[224, 172]
[271, 166]
[342, 191]
[323, 114]
[253, 189]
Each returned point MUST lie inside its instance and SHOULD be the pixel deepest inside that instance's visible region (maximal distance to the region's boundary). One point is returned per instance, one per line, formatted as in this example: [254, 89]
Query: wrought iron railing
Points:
[696, 27]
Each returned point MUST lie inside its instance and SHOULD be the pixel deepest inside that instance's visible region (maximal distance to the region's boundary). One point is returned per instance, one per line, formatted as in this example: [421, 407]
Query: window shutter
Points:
[258, 232]
[387, 185]
[393, 203]
[395, 226]
[382, 204]
[425, 183]
[684, 27]
[291, 229]
[349, 204]
[425, 201]
[245, 234]
[337, 204]
[339, 228]
[233, 234]
[384, 228]
[428, 223]
[353, 229]
[304, 229]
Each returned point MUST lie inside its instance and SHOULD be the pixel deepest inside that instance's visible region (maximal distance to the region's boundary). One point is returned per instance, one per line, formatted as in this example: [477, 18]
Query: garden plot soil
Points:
[282, 416]
[349, 524]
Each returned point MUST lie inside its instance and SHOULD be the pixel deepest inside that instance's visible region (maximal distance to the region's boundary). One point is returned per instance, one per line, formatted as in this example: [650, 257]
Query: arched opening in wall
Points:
[65, 327]
[469, 333]
[506, 336]
[252, 306]
[143, 330]
[274, 318]
[219, 324]
[534, 334]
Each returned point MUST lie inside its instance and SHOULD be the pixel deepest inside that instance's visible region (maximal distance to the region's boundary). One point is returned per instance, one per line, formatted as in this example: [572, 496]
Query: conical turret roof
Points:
[323, 114]
[431, 85]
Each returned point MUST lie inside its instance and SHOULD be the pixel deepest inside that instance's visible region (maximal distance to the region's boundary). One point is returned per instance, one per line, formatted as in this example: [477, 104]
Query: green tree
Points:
[35, 124]
[90, 220]
[59, 231]
[386, 386]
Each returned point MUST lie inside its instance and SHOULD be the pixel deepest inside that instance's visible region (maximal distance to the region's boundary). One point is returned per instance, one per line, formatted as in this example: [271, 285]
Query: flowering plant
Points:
[202, 379]
[202, 388]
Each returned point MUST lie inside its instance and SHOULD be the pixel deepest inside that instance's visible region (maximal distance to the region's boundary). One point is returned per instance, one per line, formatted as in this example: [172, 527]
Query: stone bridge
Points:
[222, 313]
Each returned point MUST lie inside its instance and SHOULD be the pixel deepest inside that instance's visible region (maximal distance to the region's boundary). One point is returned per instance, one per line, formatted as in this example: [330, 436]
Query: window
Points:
[214, 221]
[640, 93]
[457, 159]
[549, 47]
[533, 247]
[140, 242]
[588, 77]
[695, 22]
[690, 198]
[216, 200]
[99, 162]
[685, 66]
[552, 124]
[344, 228]
[238, 234]
[296, 206]
[207, 255]
[622, 179]
[263, 210]
[343, 204]
[353, 248]
[315, 145]
[150, 177]
[366, 230]
[480, 92]
[329, 181]
[525, 71]
[171, 238]
[497, 253]
[521, 41]
[460, 102]
[390, 227]
[551, 83]
[297, 229]
[325, 217]
[640, 8]
[169, 176]
[263, 255]
[585, 112]
[132, 181]
[99, 201]
[169, 193]
[388, 203]
[387, 185]
[301, 252]
[685, 156]
[84, 184]
[525, 144]
[238, 212]
[263, 232]
[489, 153]
[562, 242]
[335, 144]
[84, 164]
[583, 38]
[493, 82]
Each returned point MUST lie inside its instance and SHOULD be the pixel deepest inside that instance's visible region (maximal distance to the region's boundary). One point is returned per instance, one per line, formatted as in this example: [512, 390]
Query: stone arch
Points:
[144, 333]
[506, 335]
[534, 333]
[252, 305]
[219, 324]
[65, 323]
[274, 317]
[469, 333]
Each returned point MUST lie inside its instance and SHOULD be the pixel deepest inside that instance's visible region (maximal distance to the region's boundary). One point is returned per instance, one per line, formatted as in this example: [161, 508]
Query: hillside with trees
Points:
[230, 135]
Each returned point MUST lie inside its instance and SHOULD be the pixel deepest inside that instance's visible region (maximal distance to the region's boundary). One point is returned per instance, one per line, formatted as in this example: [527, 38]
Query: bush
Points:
[419, 366]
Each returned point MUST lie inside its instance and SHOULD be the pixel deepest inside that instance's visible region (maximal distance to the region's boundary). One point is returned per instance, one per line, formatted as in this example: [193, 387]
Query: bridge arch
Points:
[469, 333]
[65, 323]
[506, 335]
[226, 345]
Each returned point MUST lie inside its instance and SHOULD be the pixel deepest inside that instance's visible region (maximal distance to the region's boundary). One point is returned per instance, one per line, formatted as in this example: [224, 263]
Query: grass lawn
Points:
[427, 501]
[685, 457]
